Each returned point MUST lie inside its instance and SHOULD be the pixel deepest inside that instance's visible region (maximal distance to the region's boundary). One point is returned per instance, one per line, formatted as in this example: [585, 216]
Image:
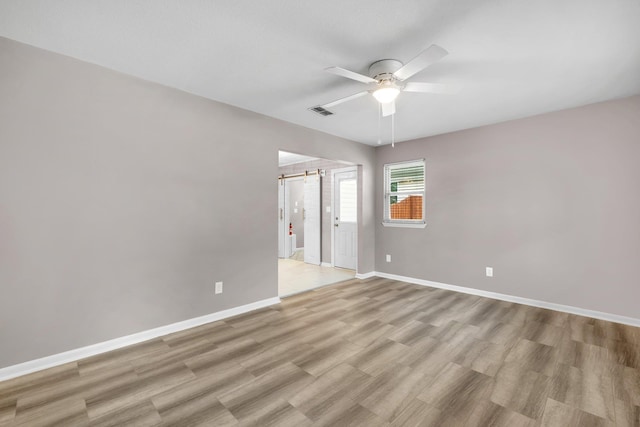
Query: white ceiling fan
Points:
[387, 77]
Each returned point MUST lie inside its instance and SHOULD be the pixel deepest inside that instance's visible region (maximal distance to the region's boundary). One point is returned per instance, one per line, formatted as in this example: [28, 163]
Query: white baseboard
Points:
[510, 298]
[91, 350]
[366, 275]
[325, 264]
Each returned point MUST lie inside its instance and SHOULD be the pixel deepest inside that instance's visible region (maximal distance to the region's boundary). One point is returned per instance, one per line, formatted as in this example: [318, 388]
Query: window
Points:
[348, 196]
[404, 194]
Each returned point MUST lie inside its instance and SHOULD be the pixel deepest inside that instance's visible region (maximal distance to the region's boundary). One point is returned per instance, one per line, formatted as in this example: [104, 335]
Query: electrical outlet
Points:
[218, 287]
[328, 208]
[388, 258]
[489, 271]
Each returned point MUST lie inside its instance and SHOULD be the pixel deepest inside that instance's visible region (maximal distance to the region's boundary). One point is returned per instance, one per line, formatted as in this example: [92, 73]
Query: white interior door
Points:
[345, 215]
[281, 227]
[284, 242]
[312, 220]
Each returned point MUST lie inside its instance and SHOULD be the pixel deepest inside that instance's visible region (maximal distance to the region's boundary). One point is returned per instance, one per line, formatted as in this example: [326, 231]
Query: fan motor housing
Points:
[384, 69]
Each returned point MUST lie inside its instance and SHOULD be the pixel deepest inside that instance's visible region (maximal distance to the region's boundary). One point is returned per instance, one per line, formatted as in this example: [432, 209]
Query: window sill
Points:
[405, 224]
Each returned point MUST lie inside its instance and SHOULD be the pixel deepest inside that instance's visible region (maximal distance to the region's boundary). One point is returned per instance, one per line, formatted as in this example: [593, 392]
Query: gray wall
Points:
[112, 217]
[326, 222]
[551, 202]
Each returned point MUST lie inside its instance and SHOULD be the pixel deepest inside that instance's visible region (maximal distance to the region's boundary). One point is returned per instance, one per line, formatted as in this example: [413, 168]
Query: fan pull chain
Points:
[393, 131]
[379, 123]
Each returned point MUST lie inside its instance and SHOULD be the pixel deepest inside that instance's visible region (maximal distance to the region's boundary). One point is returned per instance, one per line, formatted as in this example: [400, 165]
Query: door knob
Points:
[335, 225]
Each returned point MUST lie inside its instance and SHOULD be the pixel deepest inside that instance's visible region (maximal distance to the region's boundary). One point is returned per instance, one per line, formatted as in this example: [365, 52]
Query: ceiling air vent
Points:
[321, 111]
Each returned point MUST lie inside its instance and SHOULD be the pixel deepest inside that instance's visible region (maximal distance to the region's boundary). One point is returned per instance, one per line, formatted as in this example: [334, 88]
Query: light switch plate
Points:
[218, 287]
[489, 271]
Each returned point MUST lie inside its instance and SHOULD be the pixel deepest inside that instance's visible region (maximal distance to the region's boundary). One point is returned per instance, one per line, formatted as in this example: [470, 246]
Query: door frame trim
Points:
[333, 205]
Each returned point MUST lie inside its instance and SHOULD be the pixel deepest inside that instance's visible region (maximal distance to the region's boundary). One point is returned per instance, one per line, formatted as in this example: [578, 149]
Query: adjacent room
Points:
[285, 213]
[317, 222]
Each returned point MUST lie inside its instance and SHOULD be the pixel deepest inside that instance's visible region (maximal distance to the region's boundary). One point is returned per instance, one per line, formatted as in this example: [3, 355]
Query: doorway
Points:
[306, 237]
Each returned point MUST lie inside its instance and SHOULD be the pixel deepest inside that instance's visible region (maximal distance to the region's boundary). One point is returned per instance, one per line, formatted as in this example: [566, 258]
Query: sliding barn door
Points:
[312, 220]
[281, 227]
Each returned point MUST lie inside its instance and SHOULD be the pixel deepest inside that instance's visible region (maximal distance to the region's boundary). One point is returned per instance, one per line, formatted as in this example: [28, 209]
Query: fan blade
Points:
[427, 57]
[345, 99]
[350, 75]
[431, 87]
[388, 109]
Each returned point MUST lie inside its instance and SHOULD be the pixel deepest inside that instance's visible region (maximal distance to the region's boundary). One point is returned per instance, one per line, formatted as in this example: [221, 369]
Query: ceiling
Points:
[285, 158]
[513, 58]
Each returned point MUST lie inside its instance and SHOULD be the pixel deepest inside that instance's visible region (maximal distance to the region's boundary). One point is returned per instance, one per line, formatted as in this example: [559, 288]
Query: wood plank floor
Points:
[364, 353]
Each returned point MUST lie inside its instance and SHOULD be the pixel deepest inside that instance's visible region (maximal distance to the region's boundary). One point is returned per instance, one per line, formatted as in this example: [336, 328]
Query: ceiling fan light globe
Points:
[386, 94]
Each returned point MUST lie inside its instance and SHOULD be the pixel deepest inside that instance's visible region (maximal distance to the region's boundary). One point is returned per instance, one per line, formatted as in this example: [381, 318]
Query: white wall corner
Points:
[116, 343]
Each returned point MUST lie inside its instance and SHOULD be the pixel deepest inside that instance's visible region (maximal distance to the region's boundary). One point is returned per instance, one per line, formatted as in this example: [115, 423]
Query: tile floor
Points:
[297, 276]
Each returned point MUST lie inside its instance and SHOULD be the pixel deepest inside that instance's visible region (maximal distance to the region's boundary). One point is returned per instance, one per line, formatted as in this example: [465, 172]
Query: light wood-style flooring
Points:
[298, 276]
[363, 353]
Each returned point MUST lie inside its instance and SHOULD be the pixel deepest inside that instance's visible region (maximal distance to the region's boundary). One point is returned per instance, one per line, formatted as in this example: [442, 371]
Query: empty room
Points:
[338, 213]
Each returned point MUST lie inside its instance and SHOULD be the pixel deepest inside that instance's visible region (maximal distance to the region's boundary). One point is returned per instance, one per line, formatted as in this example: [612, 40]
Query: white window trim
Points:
[421, 224]
[388, 222]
